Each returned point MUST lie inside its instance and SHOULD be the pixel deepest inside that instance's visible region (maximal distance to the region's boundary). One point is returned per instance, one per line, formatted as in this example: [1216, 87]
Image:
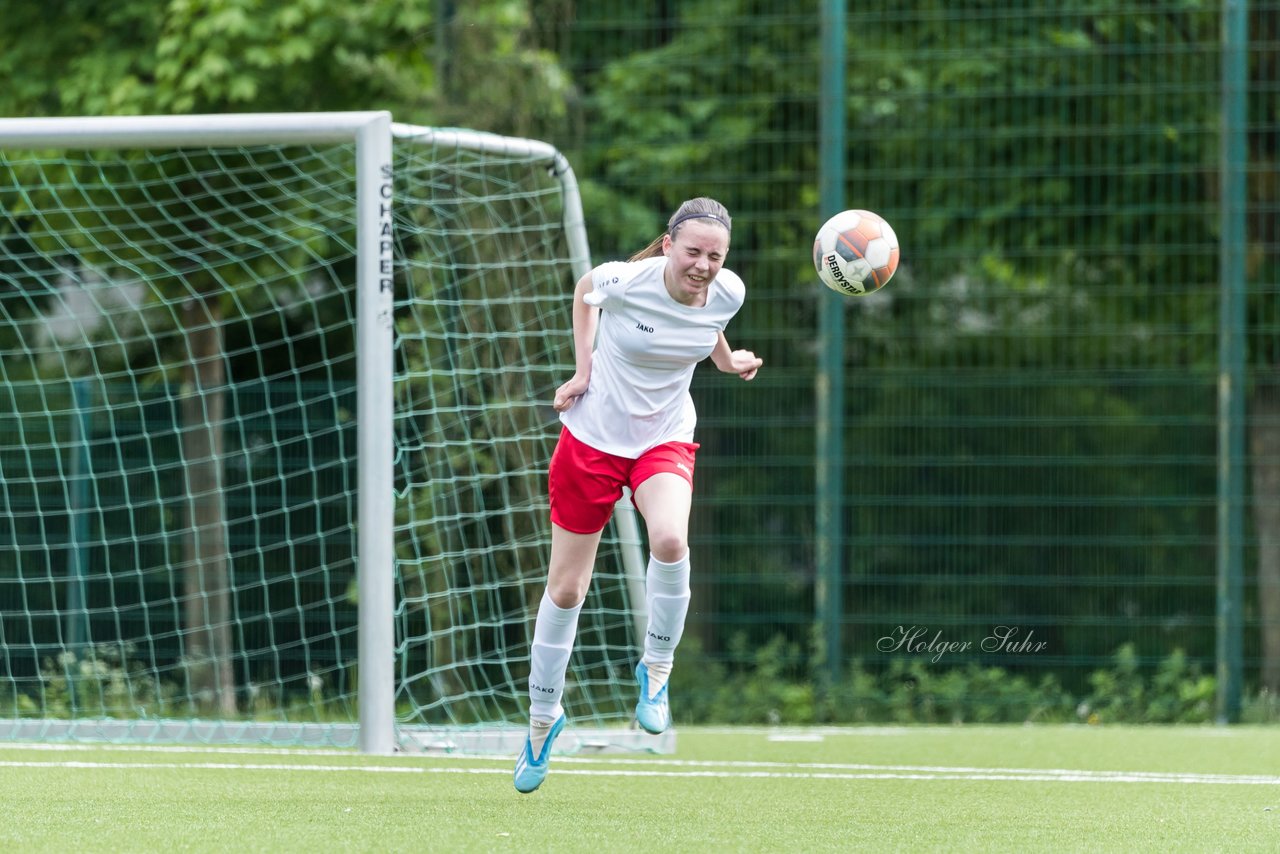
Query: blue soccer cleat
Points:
[653, 715]
[531, 772]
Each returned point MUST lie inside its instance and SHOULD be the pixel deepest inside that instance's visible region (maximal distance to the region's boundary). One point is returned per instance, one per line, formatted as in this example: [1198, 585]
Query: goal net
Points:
[274, 429]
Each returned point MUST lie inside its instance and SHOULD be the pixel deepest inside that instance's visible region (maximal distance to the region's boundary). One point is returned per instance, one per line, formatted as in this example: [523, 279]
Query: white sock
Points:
[539, 729]
[659, 673]
[553, 635]
[667, 598]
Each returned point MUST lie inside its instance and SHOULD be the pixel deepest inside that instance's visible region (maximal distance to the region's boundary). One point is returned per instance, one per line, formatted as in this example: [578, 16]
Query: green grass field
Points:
[871, 789]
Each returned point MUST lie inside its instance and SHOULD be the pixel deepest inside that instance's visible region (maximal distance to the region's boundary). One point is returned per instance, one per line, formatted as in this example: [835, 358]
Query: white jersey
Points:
[647, 345]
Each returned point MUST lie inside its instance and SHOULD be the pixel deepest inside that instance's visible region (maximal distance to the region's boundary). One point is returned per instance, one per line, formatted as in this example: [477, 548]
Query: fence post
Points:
[829, 465]
[1231, 363]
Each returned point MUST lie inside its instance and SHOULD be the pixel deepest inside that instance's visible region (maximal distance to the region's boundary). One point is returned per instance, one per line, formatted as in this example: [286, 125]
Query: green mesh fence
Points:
[1031, 414]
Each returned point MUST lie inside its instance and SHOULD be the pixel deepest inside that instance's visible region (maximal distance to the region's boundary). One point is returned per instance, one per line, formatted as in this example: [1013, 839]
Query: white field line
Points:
[626, 763]
[703, 769]
[60, 747]
[807, 733]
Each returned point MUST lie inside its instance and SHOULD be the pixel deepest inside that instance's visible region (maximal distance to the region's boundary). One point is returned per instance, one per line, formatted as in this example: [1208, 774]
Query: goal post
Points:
[375, 296]
[274, 444]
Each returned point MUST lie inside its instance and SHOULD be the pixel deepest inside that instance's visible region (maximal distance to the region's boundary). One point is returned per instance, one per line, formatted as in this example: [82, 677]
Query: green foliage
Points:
[482, 65]
[107, 681]
[758, 693]
[774, 690]
[1176, 693]
[1261, 708]
[677, 112]
[78, 57]
[112, 681]
[104, 681]
[211, 56]
[494, 47]
[301, 55]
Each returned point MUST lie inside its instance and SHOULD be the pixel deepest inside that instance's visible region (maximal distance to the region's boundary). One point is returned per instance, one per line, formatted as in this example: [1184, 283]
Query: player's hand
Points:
[744, 363]
[567, 395]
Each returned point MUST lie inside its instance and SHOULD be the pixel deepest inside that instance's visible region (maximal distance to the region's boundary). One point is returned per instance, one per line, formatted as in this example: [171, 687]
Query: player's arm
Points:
[585, 318]
[744, 363]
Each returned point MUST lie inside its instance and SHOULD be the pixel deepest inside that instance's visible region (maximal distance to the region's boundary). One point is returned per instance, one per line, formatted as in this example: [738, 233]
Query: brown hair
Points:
[699, 208]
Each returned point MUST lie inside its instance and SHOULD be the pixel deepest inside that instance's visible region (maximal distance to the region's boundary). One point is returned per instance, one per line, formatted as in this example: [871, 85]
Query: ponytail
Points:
[653, 250]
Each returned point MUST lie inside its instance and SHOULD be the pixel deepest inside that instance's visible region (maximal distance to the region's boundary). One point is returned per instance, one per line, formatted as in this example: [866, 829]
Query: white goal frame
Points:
[372, 133]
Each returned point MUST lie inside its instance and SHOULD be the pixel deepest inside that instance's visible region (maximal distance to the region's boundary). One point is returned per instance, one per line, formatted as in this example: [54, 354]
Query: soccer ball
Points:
[855, 252]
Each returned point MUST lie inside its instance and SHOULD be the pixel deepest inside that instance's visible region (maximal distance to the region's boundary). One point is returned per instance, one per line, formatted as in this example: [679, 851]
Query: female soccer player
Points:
[628, 421]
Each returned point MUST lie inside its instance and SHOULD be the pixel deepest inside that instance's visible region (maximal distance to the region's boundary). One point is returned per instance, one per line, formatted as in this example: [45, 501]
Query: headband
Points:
[678, 220]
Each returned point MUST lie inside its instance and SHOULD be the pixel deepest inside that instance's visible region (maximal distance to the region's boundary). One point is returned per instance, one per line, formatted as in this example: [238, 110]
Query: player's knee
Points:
[668, 546]
[567, 592]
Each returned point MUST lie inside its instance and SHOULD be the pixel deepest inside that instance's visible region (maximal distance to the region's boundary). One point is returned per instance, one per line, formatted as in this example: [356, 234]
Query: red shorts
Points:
[584, 483]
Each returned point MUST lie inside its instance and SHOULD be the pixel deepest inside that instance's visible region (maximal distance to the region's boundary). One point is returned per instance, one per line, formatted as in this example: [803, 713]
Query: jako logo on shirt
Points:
[644, 328]
[541, 689]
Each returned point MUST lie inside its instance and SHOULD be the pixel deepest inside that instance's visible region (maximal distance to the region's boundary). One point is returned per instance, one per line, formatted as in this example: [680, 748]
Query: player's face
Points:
[694, 257]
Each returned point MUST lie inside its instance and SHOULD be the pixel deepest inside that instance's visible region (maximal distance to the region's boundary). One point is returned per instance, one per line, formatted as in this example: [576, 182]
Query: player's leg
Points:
[572, 559]
[584, 485]
[569, 574]
[664, 499]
